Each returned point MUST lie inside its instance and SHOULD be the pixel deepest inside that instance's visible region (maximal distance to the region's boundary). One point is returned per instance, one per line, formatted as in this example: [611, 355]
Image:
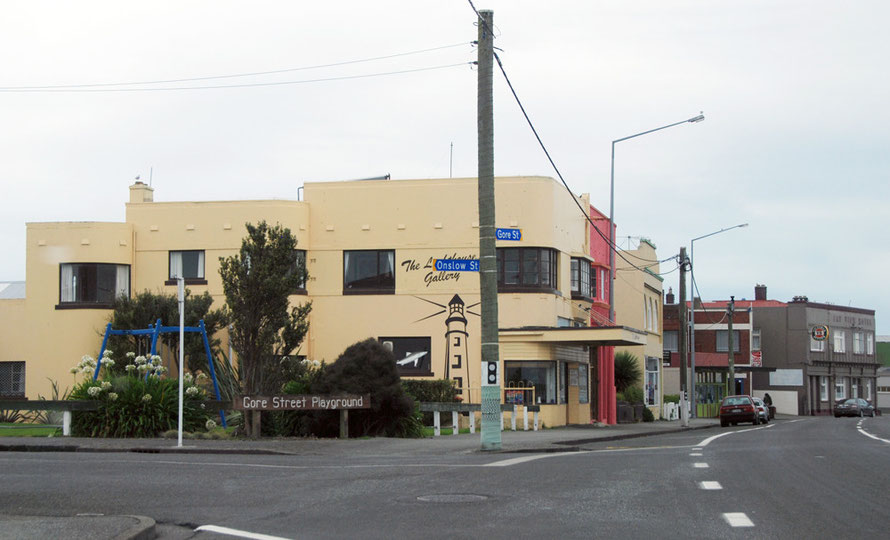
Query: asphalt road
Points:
[804, 478]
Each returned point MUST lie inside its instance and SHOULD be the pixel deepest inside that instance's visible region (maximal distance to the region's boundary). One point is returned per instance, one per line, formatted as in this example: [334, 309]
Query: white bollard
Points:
[536, 420]
[437, 426]
[472, 417]
[455, 426]
[525, 418]
[513, 419]
[66, 423]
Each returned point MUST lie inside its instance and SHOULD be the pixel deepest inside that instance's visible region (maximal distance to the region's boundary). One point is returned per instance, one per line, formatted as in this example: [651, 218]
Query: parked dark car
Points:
[735, 409]
[853, 407]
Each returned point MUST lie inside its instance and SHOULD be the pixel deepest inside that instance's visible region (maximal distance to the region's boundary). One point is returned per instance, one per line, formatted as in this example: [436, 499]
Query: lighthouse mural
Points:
[456, 349]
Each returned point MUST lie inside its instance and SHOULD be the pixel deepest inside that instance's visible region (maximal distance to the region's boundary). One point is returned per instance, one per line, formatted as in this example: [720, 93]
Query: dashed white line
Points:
[697, 454]
[710, 485]
[738, 519]
[700, 465]
[236, 532]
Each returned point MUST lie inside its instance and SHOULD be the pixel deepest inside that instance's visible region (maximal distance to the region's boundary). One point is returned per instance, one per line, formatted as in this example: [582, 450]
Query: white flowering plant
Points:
[136, 401]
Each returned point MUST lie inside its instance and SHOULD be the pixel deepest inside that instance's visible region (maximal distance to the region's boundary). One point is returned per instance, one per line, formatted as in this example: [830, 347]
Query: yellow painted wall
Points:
[57, 338]
[634, 290]
[420, 219]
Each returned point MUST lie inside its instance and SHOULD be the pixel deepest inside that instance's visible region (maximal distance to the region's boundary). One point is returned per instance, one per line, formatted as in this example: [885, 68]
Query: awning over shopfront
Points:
[601, 336]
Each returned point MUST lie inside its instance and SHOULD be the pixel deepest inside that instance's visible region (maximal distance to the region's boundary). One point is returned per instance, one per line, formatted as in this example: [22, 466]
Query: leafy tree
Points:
[258, 282]
[627, 371]
[146, 308]
[367, 368]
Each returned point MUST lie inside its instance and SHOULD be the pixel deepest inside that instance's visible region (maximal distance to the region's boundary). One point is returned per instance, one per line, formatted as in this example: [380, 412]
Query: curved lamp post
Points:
[612, 248]
[692, 318]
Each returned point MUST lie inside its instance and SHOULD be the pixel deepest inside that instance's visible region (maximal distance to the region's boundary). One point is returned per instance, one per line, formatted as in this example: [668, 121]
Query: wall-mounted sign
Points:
[820, 332]
[757, 358]
[456, 265]
[301, 402]
[508, 234]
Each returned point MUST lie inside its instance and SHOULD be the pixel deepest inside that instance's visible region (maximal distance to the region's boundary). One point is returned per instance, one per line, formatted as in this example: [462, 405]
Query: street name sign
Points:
[302, 402]
[456, 265]
[508, 234]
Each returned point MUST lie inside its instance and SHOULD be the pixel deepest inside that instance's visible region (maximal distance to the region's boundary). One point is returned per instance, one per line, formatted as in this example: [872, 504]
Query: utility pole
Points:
[488, 266]
[729, 339]
[684, 411]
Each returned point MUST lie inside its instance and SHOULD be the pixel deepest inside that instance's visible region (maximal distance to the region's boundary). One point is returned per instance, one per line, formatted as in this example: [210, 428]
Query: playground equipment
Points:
[155, 332]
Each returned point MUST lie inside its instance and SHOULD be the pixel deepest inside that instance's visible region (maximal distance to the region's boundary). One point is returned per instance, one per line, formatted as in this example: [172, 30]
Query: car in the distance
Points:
[735, 409]
[762, 410]
[853, 407]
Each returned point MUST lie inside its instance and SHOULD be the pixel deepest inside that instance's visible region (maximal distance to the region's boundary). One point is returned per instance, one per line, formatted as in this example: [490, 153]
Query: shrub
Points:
[671, 398]
[367, 368]
[299, 376]
[141, 403]
[627, 371]
[647, 415]
[441, 390]
[634, 394]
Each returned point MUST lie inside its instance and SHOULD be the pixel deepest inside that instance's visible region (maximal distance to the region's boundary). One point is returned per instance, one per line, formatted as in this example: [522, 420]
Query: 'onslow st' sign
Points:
[302, 402]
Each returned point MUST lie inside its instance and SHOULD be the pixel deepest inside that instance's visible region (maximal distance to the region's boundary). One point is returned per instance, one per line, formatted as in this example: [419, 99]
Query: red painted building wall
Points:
[606, 408]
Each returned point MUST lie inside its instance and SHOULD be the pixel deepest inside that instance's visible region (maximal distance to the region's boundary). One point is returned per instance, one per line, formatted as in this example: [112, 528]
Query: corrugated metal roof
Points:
[11, 290]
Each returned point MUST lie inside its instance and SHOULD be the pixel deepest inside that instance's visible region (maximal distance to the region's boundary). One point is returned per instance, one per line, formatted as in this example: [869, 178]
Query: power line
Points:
[235, 75]
[245, 85]
[611, 245]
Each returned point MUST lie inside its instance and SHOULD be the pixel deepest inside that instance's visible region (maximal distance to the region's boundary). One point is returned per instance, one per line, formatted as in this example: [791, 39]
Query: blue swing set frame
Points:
[155, 331]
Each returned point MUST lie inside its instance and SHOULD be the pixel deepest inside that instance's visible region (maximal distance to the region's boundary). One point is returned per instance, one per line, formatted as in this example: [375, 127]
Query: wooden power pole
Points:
[682, 347]
[488, 266]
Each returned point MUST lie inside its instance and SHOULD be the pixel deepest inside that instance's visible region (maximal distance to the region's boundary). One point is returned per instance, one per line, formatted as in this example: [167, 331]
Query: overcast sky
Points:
[795, 141]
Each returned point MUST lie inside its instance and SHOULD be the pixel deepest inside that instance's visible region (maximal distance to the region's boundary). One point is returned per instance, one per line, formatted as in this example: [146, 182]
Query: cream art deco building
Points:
[369, 248]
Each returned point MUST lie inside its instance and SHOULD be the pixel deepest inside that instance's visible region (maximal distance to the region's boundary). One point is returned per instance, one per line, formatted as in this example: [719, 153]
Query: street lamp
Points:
[692, 318]
[612, 247]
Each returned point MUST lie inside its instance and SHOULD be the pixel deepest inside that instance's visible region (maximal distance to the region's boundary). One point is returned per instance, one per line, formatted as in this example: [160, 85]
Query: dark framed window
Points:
[369, 271]
[12, 379]
[412, 354]
[583, 279]
[527, 269]
[535, 381]
[300, 266]
[188, 264]
[92, 285]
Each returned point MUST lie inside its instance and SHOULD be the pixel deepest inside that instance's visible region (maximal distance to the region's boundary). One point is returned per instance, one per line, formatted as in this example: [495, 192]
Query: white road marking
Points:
[708, 441]
[696, 454]
[700, 465]
[525, 459]
[236, 532]
[697, 449]
[738, 519]
[867, 434]
[710, 485]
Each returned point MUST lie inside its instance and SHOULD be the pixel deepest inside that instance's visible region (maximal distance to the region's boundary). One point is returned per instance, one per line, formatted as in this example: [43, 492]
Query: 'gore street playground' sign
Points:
[302, 402]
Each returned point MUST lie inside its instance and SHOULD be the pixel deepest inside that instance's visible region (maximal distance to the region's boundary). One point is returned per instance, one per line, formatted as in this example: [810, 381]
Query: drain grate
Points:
[452, 498]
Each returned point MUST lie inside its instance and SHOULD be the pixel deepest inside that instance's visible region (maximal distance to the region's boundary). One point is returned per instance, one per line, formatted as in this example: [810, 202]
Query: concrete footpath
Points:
[143, 528]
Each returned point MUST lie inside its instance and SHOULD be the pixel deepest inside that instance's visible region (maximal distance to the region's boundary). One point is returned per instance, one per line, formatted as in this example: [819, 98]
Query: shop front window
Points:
[541, 376]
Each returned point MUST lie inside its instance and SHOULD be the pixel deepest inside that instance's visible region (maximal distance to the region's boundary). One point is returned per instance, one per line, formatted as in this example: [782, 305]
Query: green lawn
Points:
[28, 430]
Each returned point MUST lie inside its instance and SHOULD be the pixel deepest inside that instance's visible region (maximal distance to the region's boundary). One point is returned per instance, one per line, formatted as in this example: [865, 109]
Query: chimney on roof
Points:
[696, 302]
[669, 297]
[759, 292]
[141, 193]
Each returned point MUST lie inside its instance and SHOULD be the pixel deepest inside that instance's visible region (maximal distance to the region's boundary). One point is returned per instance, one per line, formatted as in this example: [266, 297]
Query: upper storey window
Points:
[188, 265]
[527, 269]
[369, 271]
[92, 285]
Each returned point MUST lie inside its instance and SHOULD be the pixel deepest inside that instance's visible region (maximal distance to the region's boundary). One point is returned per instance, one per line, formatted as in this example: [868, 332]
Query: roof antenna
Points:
[151, 171]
